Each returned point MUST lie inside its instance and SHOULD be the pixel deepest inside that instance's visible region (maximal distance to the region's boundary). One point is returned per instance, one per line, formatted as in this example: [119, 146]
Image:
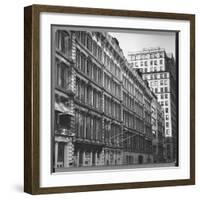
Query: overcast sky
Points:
[138, 40]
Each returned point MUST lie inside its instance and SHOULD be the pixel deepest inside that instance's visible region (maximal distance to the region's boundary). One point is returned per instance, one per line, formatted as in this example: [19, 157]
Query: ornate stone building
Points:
[102, 109]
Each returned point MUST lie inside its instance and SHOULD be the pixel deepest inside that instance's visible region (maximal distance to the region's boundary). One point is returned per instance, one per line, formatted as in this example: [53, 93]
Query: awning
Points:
[63, 109]
[58, 107]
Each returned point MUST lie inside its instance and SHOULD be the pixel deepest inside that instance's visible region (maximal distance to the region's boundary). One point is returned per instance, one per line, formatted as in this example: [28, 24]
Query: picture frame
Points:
[33, 142]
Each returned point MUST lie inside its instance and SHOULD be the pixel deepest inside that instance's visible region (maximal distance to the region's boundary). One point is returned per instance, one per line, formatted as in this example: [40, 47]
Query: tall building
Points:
[102, 108]
[159, 69]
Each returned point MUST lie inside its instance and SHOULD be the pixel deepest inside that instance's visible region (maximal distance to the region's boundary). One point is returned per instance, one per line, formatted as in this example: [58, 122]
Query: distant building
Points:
[159, 69]
[158, 130]
[137, 127]
[102, 109]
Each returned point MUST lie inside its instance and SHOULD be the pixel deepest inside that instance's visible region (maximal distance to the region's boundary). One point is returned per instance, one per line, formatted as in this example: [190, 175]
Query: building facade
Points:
[102, 109]
[158, 131]
[159, 69]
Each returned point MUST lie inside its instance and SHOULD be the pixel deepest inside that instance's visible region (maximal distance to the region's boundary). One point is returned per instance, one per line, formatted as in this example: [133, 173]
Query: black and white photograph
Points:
[114, 98]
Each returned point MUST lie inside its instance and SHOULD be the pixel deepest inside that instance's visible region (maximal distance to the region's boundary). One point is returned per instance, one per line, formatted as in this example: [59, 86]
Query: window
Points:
[88, 127]
[166, 96]
[83, 62]
[161, 62]
[89, 43]
[63, 42]
[63, 75]
[99, 53]
[89, 68]
[155, 62]
[166, 110]
[78, 58]
[94, 48]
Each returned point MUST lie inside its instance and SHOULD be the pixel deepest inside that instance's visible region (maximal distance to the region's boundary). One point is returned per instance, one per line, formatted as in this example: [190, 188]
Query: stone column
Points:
[66, 155]
[56, 155]
[91, 158]
[114, 156]
[77, 158]
[96, 159]
[83, 154]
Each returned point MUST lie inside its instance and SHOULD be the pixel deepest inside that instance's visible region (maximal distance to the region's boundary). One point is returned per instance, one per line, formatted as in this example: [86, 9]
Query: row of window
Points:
[162, 96]
[85, 65]
[136, 143]
[152, 69]
[89, 43]
[138, 109]
[111, 66]
[147, 63]
[112, 133]
[112, 86]
[159, 82]
[160, 89]
[88, 95]
[128, 101]
[164, 103]
[128, 119]
[139, 125]
[88, 126]
[156, 76]
[147, 56]
[139, 95]
[128, 85]
[112, 108]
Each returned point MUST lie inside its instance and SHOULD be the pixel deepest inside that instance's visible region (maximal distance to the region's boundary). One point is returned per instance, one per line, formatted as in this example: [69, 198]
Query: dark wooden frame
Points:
[32, 105]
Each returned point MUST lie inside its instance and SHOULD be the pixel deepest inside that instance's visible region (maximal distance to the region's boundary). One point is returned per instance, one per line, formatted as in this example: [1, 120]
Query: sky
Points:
[137, 40]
